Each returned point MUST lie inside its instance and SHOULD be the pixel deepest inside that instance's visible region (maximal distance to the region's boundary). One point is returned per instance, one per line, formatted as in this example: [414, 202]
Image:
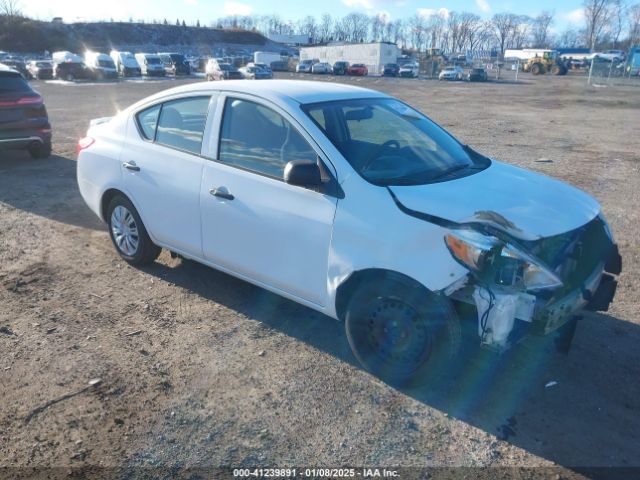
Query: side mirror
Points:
[303, 173]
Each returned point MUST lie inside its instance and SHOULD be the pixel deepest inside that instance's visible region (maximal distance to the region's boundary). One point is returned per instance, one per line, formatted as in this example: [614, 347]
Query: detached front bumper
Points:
[595, 294]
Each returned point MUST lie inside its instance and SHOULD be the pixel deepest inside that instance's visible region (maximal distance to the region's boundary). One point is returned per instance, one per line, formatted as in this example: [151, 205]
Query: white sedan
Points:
[354, 204]
[451, 73]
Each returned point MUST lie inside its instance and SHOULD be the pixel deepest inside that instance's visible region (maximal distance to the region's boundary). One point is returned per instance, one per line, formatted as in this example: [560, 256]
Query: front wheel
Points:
[128, 233]
[405, 335]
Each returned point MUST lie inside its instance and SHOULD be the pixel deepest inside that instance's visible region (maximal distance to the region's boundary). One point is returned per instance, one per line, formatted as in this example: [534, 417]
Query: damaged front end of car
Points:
[544, 282]
[521, 284]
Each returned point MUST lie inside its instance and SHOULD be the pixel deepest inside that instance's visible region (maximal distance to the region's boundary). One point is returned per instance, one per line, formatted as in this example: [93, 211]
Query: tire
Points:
[40, 150]
[134, 244]
[555, 70]
[423, 326]
[536, 69]
[70, 77]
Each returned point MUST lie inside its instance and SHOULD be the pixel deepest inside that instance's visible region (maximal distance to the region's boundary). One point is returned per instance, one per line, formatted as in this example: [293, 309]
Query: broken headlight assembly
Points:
[499, 262]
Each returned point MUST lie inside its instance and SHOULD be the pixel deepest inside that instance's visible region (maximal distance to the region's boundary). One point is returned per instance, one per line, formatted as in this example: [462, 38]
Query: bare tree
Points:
[503, 25]
[618, 17]
[417, 30]
[570, 38]
[309, 27]
[520, 31]
[470, 25]
[325, 27]
[597, 15]
[541, 26]
[356, 26]
[634, 24]
[10, 9]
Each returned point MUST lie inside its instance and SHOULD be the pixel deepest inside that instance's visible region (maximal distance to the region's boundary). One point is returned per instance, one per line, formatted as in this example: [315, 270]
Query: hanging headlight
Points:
[498, 261]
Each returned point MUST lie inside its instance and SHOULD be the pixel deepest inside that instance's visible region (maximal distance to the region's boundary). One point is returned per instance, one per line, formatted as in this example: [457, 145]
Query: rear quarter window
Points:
[148, 121]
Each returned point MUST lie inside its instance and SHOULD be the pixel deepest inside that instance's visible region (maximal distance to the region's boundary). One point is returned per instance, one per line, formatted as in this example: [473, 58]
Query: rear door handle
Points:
[131, 166]
[221, 193]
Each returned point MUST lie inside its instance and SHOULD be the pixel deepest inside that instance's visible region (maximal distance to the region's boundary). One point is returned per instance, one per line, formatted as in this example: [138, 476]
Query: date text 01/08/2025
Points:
[314, 472]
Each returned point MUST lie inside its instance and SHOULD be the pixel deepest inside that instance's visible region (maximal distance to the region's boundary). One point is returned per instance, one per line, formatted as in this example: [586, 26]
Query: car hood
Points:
[524, 204]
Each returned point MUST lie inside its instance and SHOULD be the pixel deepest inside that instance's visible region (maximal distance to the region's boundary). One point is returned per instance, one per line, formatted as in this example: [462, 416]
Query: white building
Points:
[373, 55]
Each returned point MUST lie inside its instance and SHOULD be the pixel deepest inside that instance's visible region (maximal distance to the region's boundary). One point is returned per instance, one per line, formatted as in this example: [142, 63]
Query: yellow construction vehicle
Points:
[549, 62]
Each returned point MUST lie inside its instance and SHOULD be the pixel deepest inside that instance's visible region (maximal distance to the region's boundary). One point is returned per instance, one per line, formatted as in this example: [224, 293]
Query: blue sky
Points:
[568, 12]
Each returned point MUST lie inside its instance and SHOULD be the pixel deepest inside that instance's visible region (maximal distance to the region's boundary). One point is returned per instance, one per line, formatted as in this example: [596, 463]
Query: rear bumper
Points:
[14, 139]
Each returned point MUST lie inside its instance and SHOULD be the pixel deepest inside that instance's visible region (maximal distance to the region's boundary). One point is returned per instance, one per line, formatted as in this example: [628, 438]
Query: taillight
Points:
[22, 102]
[84, 143]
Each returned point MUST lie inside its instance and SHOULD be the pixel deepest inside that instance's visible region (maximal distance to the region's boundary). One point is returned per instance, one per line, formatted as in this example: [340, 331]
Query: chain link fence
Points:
[604, 71]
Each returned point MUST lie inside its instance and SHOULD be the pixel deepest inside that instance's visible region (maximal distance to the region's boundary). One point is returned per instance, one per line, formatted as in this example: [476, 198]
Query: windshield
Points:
[153, 60]
[106, 63]
[224, 66]
[389, 143]
[177, 58]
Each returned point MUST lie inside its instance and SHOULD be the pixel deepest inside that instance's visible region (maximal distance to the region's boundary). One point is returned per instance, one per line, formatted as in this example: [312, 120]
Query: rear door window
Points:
[181, 123]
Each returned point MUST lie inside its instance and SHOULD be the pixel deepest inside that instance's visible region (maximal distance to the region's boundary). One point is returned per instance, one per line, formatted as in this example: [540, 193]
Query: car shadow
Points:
[46, 187]
[558, 407]
[576, 410]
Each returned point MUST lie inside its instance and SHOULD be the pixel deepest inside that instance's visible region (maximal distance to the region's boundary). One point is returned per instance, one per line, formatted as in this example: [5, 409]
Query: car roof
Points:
[6, 69]
[301, 91]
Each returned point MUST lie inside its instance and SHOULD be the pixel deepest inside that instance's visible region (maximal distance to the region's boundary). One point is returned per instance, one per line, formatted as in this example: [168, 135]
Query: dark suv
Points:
[24, 123]
[175, 64]
[71, 71]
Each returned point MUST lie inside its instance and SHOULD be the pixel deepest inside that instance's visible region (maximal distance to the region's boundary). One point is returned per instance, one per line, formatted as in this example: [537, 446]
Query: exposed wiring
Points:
[484, 318]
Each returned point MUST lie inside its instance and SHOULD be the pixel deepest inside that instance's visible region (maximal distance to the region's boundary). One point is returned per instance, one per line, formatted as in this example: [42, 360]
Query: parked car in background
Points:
[451, 73]
[101, 65]
[217, 70]
[262, 66]
[340, 68]
[477, 75]
[150, 64]
[305, 66]
[321, 67]
[175, 64]
[40, 69]
[126, 63]
[391, 70]
[358, 69]
[19, 66]
[280, 66]
[72, 71]
[255, 73]
[24, 123]
[409, 70]
[354, 204]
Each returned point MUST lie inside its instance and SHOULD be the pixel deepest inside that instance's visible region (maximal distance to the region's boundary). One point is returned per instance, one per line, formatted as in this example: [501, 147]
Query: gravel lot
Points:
[199, 369]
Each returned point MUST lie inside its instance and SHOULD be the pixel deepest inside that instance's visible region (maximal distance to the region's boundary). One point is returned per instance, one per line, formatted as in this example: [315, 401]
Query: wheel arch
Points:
[347, 288]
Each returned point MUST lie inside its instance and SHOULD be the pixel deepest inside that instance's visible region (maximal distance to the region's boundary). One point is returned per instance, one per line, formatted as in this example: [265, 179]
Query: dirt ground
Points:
[201, 370]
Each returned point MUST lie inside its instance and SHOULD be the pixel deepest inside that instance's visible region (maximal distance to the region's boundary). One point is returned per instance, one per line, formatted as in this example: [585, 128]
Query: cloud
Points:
[430, 12]
[236, 8]
[483, 5]
[575, 17]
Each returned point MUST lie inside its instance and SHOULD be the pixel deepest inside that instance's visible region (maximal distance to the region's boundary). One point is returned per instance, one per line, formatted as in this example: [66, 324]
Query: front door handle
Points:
[221, 193]
[131, 166]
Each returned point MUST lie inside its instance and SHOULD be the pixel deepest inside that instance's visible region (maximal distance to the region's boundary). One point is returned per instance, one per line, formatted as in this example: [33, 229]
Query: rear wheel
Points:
[40, 150]
[536, 69]
[405, 335]
[555, 70]
[128, 233]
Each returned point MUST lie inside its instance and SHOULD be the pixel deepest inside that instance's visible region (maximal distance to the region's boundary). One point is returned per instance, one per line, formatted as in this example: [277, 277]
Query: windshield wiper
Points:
[450, 170]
